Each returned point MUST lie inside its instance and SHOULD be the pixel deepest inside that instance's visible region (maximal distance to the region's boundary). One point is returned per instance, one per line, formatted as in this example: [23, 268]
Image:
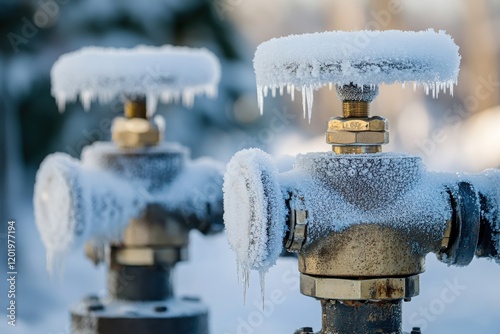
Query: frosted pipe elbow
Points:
[142, 197]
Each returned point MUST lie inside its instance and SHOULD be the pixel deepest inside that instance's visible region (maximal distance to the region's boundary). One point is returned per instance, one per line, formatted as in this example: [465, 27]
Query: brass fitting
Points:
[135, 132]
[360, 289]
[356, 132]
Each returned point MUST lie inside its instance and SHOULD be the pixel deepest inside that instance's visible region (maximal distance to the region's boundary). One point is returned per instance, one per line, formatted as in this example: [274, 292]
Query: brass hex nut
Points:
[134, 132]
[375, 123]
[342, 137]
[364, 289]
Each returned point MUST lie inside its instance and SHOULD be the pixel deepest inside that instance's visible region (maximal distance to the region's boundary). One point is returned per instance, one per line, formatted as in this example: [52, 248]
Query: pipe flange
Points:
[466, 220]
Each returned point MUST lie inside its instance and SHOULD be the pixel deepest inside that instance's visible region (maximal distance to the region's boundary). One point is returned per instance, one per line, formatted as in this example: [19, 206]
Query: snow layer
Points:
[164, 73]
[254, 212]
[365, 58]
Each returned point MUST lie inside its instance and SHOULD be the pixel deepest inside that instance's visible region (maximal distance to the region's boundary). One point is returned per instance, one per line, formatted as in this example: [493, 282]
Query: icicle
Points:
[260, 99]
[61, 102]
[188, 97]
[304, 103]
[151, 103]
[451, 88]
[160, 123]
[281, 90]
[403, 85]
[414, 86]
[273, 91]
[426, 87]
[262, 286]
[330, 85]
[166, 97]
[293, 93]
[246, 283]
[86, 99]
[309, 96]
[211, 91]
[265, 91]
[288, 89]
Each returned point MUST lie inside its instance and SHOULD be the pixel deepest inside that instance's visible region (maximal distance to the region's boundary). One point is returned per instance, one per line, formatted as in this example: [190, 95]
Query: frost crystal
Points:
[167, 73]
[371, 58]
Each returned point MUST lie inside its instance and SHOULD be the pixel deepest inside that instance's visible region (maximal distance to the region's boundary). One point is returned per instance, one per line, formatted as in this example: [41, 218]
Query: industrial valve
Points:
[131, 202]
[361, 221]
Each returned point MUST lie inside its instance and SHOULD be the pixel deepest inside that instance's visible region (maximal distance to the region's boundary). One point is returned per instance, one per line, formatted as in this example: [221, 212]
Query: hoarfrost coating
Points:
[389, 189]
[76, 202]
[254, 212]
[365, 58]
[167, 73]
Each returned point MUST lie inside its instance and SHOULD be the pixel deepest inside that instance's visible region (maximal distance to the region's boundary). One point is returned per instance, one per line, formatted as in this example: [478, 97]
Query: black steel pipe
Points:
[140, 283]
[361, 317]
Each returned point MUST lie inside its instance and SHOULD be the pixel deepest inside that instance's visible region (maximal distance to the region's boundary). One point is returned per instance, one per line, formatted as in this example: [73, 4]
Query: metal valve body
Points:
[140, 264]
[133, 201]
[362, 223]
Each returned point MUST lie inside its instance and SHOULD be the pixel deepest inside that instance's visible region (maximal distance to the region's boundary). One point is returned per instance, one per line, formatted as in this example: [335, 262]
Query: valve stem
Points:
[359, 109]
[135, 108]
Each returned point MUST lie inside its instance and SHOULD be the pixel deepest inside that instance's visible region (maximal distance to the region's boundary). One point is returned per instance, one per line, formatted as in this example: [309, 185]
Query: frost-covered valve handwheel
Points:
[114, 182]
[142, 76]
[356, 63]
